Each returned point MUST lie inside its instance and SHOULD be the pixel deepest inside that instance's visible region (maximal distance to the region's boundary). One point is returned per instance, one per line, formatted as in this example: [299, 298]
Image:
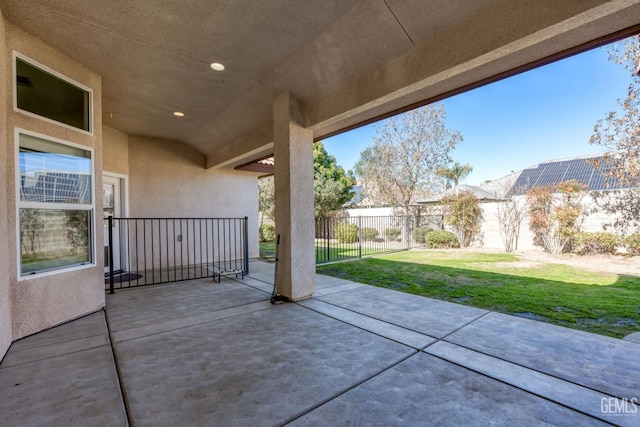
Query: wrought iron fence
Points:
[342, 238]
[147, 251]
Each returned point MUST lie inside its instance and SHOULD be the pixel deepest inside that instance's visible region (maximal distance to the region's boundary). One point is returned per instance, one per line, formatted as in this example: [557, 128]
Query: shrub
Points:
[369, 234]
[347, 232]
[632, 243]
[464, 214]
[420, 234]
[555, 214]
[267, 233]
[441, 239]
[595, 243]
[392, 233]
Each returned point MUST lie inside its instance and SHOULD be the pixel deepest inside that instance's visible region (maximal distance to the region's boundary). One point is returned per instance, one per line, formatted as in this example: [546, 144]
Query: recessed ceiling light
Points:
[178, 114]
[217, 66]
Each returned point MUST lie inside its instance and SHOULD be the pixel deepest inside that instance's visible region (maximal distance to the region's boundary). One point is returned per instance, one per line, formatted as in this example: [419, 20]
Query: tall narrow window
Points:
[45, 94]
[55, 205]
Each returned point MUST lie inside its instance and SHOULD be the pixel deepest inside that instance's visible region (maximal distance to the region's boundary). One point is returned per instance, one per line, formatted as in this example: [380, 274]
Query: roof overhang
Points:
[348, 62]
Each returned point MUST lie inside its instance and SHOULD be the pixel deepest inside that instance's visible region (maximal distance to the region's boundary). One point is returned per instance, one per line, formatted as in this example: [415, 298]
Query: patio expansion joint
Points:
[241, 281]
[444, 337]
[121, 385]
[529, 368]
[445, 340]
[371, 331]
[162, 326]
[381, 320]
[347, 389]
[3, 365]
[512, 384]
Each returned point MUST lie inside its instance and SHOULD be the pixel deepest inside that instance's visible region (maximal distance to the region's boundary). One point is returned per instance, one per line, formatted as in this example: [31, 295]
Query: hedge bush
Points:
[369, 234]
[441, 239]
[267, 233]
[598, 243]
[392, 233]
[420, 234]
[347, 232]
[632, 244]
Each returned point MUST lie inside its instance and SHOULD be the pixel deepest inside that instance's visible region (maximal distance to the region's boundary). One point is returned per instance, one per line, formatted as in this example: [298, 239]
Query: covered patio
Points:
[203, 353]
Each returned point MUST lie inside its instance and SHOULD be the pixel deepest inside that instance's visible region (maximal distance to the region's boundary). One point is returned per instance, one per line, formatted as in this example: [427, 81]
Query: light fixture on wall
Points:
[178, 113]
[217, 66]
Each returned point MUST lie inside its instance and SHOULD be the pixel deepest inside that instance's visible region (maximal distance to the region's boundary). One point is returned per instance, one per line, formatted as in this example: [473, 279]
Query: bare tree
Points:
[408, 150]
[511, 214]
[619, 134]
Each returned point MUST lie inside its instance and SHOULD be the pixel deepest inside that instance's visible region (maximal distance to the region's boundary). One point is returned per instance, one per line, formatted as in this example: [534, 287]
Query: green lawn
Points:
[30, 264]
[606, 304]
[338, 251]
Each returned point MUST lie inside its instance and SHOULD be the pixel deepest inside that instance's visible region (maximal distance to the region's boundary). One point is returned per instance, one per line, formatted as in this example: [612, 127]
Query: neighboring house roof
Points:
[555, 171]
[551, 172]
[482, 194]
[264, 166]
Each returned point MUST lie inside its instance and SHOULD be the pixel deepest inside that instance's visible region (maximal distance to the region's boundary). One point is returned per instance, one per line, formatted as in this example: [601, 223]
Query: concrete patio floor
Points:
[203, 353]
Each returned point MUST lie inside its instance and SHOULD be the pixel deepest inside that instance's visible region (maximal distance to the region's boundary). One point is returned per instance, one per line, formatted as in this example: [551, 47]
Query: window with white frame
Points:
[55, 204]
[42, 92]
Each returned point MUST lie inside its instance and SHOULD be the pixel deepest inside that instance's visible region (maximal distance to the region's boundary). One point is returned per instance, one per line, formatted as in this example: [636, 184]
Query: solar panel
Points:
[552, 173]
[56, 187]
[525, 182]
[580, 170]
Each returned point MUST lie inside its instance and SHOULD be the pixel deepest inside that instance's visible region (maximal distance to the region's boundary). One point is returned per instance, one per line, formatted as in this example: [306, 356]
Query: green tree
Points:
[332, 185]
[31, 226]
[77, 230]
[266, 198]
[455, 173]
[464, 214]
[619, 134]
[408, 149]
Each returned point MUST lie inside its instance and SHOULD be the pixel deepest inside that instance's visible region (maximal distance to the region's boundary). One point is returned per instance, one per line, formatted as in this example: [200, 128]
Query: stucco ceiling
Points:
[347, 61]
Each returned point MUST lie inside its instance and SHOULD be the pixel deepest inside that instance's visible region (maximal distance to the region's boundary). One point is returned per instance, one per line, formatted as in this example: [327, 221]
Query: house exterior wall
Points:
[45, 301]
[166, 179]
[169, 179]
[6, 333]
[369, 212]
[116, 151]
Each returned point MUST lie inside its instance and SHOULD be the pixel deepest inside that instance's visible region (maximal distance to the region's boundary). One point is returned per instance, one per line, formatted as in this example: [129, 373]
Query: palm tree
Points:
[455, 173]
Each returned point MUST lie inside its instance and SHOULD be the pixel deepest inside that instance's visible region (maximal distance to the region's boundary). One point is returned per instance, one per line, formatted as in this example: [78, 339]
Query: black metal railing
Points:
[148, 251]
[342, 238]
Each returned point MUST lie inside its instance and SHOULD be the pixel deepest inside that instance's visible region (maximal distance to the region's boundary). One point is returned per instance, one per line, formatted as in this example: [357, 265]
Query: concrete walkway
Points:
[201, 353]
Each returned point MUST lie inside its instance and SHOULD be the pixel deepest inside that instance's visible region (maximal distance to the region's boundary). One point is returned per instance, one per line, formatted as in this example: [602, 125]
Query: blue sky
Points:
[543, 114]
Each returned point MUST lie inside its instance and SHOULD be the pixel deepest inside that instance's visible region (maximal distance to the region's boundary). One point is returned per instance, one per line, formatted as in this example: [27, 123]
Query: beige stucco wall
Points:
[45, 301]
[170, 179]
[6, 334]
[593, 221]
[115, 151]
[490, 230]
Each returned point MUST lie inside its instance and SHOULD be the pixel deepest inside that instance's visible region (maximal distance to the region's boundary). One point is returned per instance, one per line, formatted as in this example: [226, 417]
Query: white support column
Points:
[293, 156]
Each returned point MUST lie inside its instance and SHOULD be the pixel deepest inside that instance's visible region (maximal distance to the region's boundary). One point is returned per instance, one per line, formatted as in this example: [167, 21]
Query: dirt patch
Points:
[615, 264]
[629, 266]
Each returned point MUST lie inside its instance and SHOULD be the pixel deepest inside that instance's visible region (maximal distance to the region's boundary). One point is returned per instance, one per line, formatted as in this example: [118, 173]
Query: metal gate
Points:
[162, 250]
